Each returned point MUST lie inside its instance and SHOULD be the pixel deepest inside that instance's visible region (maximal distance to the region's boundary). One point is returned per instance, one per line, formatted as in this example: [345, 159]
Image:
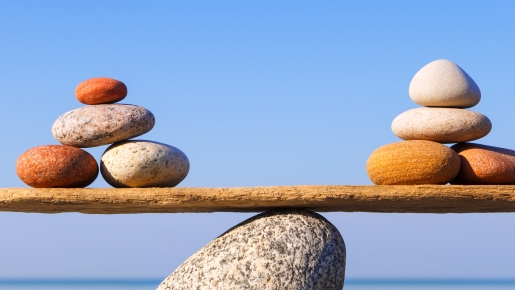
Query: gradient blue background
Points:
[255, 93]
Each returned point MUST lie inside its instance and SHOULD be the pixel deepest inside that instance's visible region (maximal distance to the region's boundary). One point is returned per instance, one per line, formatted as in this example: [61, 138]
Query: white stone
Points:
[286, 249]
[141, 163]
[442, 83]
[444, 125]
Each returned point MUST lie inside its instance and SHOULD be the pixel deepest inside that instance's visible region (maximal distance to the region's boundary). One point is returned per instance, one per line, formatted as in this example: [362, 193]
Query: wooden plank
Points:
[343, 198]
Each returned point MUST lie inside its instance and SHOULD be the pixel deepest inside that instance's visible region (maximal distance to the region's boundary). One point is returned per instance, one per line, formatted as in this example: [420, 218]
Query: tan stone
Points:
[142, 163]
[442, 83]
[413, 162]
[319, 198]
[481, 164]
[444, 125]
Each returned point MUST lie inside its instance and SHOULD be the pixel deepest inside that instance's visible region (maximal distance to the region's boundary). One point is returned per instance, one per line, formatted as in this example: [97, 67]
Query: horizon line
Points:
[349, 281]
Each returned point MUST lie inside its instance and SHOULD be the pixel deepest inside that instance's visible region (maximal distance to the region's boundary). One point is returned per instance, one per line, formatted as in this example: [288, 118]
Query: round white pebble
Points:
[442, 83]
[141, 163]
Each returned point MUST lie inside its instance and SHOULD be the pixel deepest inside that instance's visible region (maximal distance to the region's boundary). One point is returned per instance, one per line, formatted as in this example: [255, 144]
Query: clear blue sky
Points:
[255, 93]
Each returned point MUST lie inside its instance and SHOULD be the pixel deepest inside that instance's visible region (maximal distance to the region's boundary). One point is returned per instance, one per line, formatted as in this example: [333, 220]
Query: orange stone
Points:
[482, 164]
[100, 91]
[57, 166]
[413, 162]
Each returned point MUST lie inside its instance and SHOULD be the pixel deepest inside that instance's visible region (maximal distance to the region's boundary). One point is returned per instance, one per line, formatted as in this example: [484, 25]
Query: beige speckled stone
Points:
[442, 83]
[444, 125]
[289, 249]
[141, 163]
[99, 125]
[413, 162]
[482, 164]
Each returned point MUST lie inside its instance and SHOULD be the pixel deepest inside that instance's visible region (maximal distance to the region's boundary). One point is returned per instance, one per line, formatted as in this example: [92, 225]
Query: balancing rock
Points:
[413, 162]
[287, 249]
[140, 163]
[98, 125]
[56, 166]
[444, 125]
[100, 91]
[481, 164]
[442, 83]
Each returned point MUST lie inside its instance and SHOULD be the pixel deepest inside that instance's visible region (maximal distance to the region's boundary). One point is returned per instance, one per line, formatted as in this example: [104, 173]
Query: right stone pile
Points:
[445, 90]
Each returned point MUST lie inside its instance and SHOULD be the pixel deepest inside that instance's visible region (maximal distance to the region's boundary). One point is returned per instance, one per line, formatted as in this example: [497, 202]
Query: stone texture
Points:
[442, 83]
[100, 91]
[481, 164]
[413, 162]
[289, 249]
[444, 125]
[141, 163]
[56, 166]
[99, 125]
[320, 198]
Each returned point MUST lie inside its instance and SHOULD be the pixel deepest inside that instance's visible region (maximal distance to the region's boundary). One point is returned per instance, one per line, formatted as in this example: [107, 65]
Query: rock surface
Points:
[99, 125]
[100, 91]
[442, 83]
[141, 163]
[444, 125]
[481, 164]
[289, 249]
[413, 162]
[56, 166]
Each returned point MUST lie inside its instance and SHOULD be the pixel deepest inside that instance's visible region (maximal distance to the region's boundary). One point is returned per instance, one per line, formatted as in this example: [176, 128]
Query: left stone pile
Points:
[101, 122]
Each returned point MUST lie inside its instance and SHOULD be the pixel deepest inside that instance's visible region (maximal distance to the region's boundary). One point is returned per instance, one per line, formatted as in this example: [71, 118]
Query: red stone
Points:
[57, 166]
[481, 164]
[100, 91]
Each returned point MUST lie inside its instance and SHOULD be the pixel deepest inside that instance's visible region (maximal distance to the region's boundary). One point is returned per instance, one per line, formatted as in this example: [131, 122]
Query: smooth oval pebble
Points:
[413, 162]
[442, 83]
[99, 125]
[481, 164]
[100, 91]
[292, 250]
[142, 163]
[444, 125]
[56, 166]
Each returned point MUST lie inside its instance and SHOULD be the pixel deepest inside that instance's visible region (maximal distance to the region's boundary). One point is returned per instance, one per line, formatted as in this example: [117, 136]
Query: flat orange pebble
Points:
[482, 164]
[413, 162]
[100, 91]
[57, 166]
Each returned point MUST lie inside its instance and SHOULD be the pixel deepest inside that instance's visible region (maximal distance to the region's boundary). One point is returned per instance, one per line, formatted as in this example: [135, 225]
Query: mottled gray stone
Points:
[287, 249]
[99, 125]
[141, 163]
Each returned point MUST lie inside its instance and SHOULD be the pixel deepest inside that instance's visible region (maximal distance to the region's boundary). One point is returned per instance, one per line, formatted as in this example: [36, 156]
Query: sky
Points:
[255, 93]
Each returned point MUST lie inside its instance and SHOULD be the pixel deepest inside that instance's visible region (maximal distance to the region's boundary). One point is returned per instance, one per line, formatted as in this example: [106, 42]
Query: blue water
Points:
[350, 284]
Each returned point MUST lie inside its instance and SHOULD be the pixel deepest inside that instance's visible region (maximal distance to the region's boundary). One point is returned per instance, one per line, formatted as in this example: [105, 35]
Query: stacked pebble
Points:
[445, 90]
[134, 163]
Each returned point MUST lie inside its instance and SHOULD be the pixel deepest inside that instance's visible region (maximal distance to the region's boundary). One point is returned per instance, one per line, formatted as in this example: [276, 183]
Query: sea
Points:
[350, 284]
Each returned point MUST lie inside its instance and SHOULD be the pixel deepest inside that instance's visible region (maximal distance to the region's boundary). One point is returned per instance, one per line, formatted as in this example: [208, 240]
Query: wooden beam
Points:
[338, 198]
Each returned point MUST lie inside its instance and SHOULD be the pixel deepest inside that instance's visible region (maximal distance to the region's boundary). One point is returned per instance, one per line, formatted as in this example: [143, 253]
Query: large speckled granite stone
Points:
[288, 249]
[99, 125]
[141, 163]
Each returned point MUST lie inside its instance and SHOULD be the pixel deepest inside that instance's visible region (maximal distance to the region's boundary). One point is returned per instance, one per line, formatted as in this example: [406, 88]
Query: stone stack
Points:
[126, 163]
[445, 90]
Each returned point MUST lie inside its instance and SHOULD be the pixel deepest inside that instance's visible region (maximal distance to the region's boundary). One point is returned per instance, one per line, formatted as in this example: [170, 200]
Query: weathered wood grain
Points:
[384, 198]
